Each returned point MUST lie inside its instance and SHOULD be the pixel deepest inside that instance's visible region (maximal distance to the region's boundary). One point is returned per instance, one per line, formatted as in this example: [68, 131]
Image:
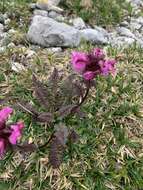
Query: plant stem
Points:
[46, 143]
[83, 98]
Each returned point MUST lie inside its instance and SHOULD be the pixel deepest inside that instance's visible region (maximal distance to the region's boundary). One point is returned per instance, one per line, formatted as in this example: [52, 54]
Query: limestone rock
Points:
[2, 19]
[102, 30]
[40, 12]
[79, 23]
[32, 6]
[1, 28]
[122, 41]
[125, 32]
[47, 32]
[53, 14]
[93, 36]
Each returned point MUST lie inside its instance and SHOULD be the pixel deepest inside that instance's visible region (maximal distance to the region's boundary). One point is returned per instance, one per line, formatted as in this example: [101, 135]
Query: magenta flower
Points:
[4, 114]
[8, 134]
[89, 75]
[79, 61]
[98, 53]
[2, 147]
[108, 67]
[89, 65]
[16, 131]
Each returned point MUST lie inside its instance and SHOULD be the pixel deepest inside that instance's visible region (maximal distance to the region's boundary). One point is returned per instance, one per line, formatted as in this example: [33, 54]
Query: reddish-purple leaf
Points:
[45, 117]
[53, 82]
[80, 113]
[25, 147]
[41, 92]
[73, 136]
[65, 111]
[57, 145]
[54, 76]
[27, 107]
[78, 89]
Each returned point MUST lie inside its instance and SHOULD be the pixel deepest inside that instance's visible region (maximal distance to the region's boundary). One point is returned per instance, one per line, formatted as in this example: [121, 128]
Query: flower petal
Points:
[4, 114]
[98, 53]
[89, 75]
[79, 60]
[2, 147]
[16, 132]
[107, 67]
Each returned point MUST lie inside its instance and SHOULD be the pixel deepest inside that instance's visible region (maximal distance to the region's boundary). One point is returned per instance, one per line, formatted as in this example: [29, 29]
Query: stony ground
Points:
[109, 154]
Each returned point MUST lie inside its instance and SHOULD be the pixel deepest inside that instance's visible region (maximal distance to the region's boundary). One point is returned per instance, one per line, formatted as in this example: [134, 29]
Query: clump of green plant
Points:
[101, 12]
[63, 96]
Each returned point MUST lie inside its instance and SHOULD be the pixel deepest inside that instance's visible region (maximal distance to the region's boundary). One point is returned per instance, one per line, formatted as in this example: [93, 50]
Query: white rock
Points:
[54, 50]
[1, 28]
[79, 23]
[122, 41]
[135, 26]
[2, 50]
[137, 3]
[139, 20]
[60, 18]
[5, 39]
[32, 6]
[125, 32]
[93, 36]
[40, 12]
[47, 32]
[17, 67]
[101, 30]
[53, 14]
[2, 19]
[5, 16]
[7, 21]
[35, 48]
[139, 35]
[3, 35]
[124, 24]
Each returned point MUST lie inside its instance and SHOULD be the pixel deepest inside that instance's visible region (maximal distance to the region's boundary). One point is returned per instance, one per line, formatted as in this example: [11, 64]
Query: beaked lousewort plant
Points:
[59, 98]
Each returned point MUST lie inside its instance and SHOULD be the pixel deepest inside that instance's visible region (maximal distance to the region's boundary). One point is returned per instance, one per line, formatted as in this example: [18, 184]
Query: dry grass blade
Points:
[28, 108]
[86, 4]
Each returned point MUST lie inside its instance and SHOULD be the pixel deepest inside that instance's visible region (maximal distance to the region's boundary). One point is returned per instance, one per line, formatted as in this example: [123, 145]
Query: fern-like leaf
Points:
[58, 145]
[45, 117]
[65, 111]
[73, 136]
[41, 92]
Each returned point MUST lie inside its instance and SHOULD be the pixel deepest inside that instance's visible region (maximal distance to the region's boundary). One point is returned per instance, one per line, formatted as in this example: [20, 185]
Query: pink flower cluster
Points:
[10, 135]
[89, 65]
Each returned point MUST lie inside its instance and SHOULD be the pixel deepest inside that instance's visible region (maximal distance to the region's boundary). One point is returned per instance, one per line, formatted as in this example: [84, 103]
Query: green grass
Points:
[102, 12]
[109, 154]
